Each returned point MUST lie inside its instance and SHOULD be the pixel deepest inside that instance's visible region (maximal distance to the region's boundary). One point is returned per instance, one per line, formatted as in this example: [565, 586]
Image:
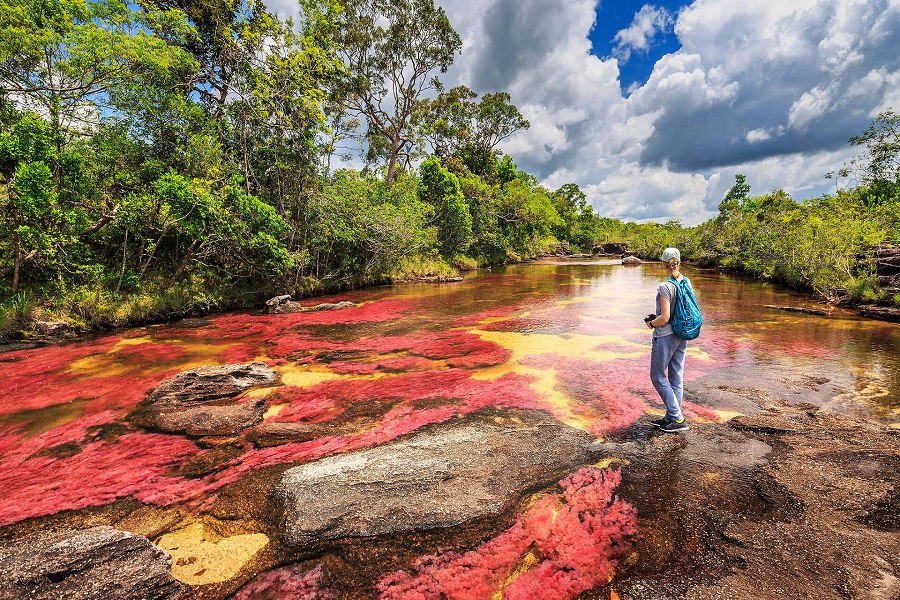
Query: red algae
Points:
[132, 465]
[286, 583]
[575, 540]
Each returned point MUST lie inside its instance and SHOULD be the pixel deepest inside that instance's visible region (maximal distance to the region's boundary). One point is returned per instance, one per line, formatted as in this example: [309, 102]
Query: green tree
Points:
[391, 47]
[879, 166]
[456, 125]
[66, 59]
[440, 188]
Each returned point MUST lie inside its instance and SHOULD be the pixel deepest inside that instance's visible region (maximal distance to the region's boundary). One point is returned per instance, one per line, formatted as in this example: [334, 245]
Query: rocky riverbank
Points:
[782, 500]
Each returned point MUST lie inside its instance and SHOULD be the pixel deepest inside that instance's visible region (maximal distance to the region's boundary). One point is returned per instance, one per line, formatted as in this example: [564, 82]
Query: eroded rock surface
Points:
[792, 502]
[203, 401]
[283, 304]
[95, 563]
[433, 479]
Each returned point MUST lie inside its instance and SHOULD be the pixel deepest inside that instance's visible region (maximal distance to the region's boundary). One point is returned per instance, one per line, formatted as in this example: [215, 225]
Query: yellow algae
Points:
[261, 392]
[144, 339]
[726, 415]
[544, 381]
[274, 410]
[307, 375]
[526, 563]
[570, 346]
[608, 462]
[200, 556]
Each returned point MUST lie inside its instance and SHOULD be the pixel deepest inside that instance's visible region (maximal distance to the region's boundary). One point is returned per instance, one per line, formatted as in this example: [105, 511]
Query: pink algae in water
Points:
[575, 538]
[287, 583]
[99, 473]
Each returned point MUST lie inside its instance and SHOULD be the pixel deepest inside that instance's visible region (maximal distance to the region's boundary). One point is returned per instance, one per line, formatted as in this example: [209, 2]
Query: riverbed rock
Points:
[631, 260]
[440, 279]
[885, 313]
[204, 401]
[437, 478]
[282, 304]
[51, 327]
[101, 562]
[791, 502]
[268, 434]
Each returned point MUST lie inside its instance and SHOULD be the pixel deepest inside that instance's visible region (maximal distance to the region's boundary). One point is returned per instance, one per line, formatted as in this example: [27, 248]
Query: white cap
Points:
[670, 253]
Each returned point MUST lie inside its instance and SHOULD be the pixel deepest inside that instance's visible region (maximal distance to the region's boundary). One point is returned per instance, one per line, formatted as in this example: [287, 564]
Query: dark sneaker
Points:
[673, 426]
[660, 422]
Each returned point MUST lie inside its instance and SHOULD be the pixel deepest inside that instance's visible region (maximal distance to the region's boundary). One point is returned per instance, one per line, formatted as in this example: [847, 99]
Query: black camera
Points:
[649, 318]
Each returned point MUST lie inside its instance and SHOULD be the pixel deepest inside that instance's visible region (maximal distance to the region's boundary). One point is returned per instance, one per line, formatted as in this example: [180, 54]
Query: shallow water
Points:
[560, 336]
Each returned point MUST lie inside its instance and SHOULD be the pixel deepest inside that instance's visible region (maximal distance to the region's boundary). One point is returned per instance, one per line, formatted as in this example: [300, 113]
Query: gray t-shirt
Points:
[668, 290]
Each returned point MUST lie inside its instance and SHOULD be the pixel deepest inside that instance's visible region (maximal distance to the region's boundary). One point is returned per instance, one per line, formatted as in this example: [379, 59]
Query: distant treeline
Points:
[167, 157]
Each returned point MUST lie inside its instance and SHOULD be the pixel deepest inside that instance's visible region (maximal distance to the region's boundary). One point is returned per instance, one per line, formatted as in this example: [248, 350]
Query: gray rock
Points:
[95, 563]
[281, 305]
[207, 383]
[332, 306]
[208, 419]
[631, 260]
[203, 401]
[433, 479]
[51, 327]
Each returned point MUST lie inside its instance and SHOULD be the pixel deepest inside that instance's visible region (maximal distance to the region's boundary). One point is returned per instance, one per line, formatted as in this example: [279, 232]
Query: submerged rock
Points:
[95, 563]
[203, 401]
[433, 479]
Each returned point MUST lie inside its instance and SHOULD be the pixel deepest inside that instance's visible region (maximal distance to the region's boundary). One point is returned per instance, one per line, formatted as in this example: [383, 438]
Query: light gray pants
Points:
[667, 354]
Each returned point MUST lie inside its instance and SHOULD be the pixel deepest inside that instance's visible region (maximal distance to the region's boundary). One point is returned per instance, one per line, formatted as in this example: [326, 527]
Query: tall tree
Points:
[879, 167]
[456, 125]
[391, 48]
[66, 59]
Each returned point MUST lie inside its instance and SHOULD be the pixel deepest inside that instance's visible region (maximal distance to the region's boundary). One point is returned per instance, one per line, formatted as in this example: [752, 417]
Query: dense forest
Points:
[170, 157]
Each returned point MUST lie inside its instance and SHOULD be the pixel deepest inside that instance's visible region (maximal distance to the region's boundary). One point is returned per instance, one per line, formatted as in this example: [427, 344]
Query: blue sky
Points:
[615, 16]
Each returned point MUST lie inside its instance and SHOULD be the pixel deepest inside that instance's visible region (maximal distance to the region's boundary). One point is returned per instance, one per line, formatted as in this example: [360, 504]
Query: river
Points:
[561, 336]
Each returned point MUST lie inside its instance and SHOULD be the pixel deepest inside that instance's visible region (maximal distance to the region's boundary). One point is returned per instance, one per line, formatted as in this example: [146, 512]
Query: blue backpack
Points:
[686, 319]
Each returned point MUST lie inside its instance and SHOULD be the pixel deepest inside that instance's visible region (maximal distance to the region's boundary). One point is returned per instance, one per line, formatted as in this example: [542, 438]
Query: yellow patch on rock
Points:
[726, 415]
[608, 462]
[274, 410]
[200, 556]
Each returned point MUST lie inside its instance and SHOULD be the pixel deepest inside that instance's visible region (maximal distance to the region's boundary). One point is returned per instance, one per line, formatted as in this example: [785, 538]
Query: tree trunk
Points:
[124, 254]
[18, 252]
[392, 162]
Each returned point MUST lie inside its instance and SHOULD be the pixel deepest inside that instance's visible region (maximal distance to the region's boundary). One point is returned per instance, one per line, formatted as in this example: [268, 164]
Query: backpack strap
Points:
[672, 302]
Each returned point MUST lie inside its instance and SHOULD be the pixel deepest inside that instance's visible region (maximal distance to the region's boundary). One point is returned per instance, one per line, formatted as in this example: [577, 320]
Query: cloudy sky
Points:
[653, 108]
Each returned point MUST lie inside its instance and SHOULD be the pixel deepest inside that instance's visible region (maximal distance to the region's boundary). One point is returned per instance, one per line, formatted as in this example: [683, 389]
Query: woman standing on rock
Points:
[668, 350]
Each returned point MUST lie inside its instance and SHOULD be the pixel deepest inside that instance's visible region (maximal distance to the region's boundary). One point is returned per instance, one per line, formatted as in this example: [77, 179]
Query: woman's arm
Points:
[662, 319]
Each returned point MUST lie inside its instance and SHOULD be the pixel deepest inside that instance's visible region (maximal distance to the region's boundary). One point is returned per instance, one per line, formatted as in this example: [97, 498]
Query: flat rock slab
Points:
[95, 563]
[437, 478]
[203, 401]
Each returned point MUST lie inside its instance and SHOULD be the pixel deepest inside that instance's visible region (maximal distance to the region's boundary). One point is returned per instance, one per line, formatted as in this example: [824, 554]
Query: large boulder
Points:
[204, 401]
[631, 260]
[95, 563]
[437, 478]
